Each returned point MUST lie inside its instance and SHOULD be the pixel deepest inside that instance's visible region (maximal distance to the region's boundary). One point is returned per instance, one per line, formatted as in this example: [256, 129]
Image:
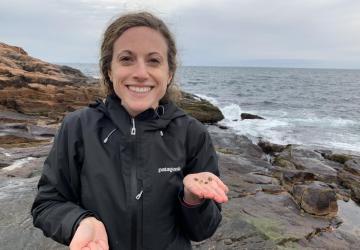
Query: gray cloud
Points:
[321, 33]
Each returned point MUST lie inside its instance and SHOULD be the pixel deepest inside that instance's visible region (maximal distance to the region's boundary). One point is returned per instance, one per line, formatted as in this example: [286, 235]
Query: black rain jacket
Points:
[128, 173]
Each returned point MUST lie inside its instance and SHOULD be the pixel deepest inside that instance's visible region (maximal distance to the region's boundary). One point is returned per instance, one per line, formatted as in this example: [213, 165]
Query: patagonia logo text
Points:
[170, 170]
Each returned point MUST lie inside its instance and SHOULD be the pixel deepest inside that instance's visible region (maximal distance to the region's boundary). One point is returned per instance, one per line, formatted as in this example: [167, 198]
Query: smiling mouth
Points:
[140, 89]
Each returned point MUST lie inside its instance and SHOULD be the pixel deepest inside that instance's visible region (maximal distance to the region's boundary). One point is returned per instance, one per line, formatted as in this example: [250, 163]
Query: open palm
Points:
[90, 235]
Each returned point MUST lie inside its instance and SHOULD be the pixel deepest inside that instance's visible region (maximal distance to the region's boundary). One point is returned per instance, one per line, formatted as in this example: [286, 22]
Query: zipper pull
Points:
[133, 129]
[161, 133]
[139, 195]
[107, 137]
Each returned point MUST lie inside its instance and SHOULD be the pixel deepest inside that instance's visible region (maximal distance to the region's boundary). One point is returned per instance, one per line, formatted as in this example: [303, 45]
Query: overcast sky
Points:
[292, 33]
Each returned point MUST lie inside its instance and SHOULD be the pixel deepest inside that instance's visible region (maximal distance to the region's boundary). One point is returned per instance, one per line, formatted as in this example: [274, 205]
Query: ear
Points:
[109, 75]
[170, 78]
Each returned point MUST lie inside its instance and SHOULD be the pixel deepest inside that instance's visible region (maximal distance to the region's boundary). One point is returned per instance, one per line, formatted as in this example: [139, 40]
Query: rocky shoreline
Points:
[281, 196]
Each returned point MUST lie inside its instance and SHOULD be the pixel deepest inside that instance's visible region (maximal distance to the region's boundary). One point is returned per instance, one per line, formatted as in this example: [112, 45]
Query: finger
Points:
[214, 192]
[208, 192]
[217, 194]
[220, 183]
[75, 245]
[93, 246]
[104, 244]
[220, 194]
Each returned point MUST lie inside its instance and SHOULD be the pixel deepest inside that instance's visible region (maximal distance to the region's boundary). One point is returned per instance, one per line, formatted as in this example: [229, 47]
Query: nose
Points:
[140, 71]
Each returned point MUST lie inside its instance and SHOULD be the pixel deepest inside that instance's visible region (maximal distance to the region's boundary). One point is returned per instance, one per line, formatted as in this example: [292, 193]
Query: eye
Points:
[125, 59]
[154, 61]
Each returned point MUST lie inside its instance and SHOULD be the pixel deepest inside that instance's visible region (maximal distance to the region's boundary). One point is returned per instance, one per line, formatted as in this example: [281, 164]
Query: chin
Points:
[140, 109]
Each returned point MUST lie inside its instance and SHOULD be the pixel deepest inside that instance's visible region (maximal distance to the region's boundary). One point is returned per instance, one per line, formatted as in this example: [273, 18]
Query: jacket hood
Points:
[151, 119]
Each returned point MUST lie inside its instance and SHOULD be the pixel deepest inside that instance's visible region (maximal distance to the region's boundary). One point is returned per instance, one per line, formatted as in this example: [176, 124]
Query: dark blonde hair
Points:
[117, 28]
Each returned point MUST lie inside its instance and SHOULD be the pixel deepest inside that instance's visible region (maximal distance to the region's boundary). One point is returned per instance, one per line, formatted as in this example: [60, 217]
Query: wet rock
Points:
[290, 177]
[340, 158]
[237, 144]
[276, 217]
[24, 168]
[309, 161]
[17, 231]
[222, 126]
[283, 163]
[351, 181]
[9, 141]
[10, 155]
[200, 108]
[270, 148]
[250, 116]
[353, 166]
[273, 189]
[316, 199]
[28, 130]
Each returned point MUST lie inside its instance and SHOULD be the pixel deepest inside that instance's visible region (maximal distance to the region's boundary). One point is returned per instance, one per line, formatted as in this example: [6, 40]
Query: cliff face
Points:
[31, 86]
[17, 69]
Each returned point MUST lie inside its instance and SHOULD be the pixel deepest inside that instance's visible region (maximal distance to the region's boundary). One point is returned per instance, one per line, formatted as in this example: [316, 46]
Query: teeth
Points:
[139, 89]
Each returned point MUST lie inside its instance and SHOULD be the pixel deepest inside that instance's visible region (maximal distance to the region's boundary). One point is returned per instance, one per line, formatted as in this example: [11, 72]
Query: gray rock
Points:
[17, 231]
[353, 166]
[250, 116]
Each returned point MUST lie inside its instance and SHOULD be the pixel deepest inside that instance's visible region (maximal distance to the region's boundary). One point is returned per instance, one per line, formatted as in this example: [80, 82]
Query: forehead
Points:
[141, 40]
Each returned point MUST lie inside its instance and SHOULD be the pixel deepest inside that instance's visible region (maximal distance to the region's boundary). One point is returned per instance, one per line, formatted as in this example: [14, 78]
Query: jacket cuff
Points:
[188, 205]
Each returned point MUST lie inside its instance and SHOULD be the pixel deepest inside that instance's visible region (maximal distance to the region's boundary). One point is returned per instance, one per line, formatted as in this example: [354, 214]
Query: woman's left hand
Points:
[204, 185]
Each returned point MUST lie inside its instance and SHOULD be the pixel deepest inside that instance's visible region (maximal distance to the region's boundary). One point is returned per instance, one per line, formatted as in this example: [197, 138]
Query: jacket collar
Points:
[150, 119]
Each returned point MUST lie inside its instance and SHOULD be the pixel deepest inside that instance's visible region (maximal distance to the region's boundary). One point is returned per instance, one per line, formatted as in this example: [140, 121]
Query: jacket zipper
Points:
[133, 129]
[135, 196]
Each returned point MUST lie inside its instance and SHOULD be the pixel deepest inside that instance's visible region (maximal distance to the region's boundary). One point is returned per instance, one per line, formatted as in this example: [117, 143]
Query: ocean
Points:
[312, 107]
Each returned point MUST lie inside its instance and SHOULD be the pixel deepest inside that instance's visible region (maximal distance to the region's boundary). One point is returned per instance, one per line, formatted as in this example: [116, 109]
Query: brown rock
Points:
[341, 158]
[316, 199]
[200, 108]
[8, 141]
[270, 148]
[291, 177]
[351, 181]
[17, 69]
[281, 162]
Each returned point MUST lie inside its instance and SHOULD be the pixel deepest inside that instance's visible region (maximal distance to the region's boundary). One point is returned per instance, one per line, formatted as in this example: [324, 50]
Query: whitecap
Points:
[212, 100]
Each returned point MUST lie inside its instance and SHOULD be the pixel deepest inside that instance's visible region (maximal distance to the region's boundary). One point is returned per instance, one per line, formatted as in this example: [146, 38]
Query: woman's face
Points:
[139, 69]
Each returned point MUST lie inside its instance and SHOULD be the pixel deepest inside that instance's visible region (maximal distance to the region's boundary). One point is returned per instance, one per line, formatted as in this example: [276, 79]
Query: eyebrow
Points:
[131, 53]
[124, 51]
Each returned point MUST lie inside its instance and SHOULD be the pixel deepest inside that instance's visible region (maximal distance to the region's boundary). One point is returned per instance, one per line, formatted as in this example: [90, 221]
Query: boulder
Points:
[353, 166]
[340, 158]
[351, 181]
[18, 69]
[309, 161]
[270, 148]
[245, 116]
[200, 108]
[316, 199]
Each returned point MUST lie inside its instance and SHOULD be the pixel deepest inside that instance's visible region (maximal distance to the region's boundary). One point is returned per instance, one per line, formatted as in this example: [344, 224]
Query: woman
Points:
[133, 172]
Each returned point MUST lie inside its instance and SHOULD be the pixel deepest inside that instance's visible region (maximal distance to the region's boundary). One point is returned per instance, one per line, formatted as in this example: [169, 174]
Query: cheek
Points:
[118, 88]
